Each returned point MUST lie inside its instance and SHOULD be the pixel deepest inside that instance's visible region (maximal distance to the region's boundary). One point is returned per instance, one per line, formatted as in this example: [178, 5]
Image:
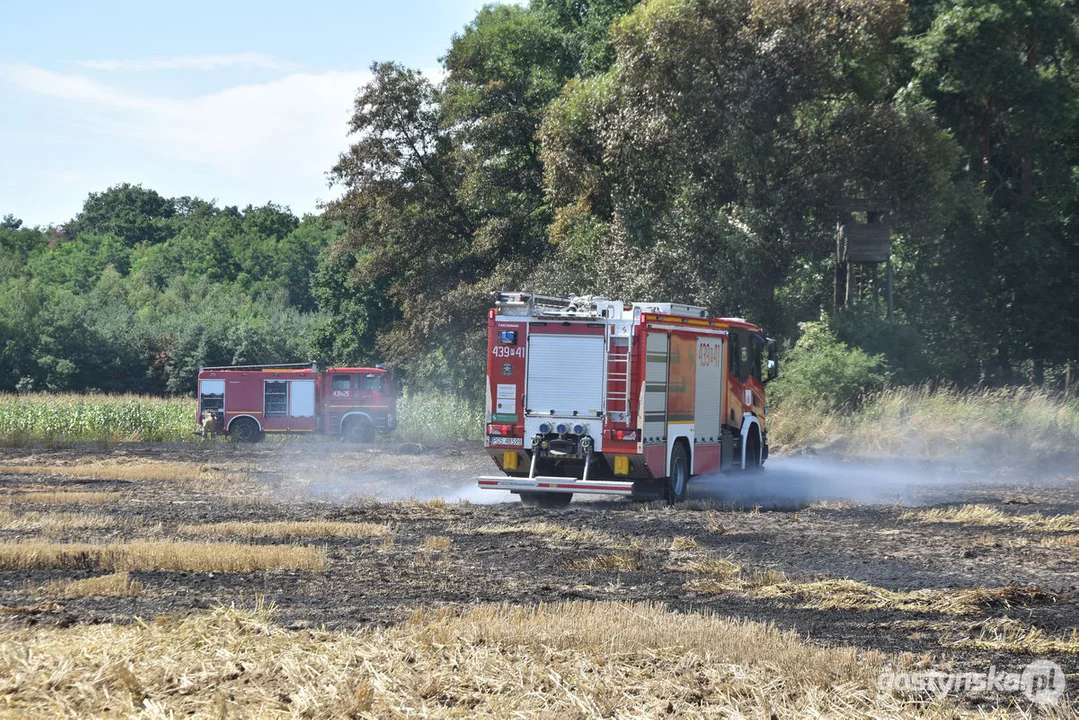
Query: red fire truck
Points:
[591, 395]
[248, 401]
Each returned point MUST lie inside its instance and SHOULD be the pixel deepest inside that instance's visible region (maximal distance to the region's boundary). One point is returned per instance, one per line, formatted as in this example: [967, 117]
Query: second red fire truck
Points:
[590, 395]
[246, 402]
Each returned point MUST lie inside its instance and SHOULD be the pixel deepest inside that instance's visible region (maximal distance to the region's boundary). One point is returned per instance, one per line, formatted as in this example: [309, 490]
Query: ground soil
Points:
[751, 522]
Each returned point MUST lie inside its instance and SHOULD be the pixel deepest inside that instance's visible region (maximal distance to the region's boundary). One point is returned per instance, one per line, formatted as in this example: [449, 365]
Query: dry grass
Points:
[792, 426]
[550, 530]
[305, 529]
[713, 523]
[681, 542]
[170, 556]
[693, 504]
[617, 561]
[723, 576]
[189, 475]
[945, 423]
[1010, 635]
[1055, 541]
[831, 505]
[114, 585]
[433, 506]
[61, 523]
[853, 595]
[990, 516]
[437, 543]
[62, 497]
[579, 659]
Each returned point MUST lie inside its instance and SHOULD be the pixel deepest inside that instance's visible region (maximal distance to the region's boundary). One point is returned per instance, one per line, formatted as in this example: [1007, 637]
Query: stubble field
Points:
[317, 579]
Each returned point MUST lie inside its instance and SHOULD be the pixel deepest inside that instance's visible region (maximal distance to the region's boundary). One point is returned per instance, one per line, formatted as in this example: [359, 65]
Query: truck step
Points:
[555, 484]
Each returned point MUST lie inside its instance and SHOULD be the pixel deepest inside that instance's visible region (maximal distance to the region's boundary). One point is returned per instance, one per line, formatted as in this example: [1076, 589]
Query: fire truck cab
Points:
[591, 395]
[251, 400]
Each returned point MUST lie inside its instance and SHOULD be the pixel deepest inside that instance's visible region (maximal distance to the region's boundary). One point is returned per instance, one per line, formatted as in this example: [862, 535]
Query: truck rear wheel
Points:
[359, 430]
[678, 480]
[546, 499]
[245, 430]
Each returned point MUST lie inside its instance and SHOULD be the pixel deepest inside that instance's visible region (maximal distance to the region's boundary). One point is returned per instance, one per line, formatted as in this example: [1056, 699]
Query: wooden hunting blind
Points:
[863, 242]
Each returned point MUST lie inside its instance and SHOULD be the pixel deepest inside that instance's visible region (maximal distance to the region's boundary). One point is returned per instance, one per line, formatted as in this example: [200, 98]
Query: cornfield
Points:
[133, 418]
[104, 418]
[426, 417]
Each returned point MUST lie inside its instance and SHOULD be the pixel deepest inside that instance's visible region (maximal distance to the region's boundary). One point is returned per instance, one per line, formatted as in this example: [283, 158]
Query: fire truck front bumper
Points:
[555, 485]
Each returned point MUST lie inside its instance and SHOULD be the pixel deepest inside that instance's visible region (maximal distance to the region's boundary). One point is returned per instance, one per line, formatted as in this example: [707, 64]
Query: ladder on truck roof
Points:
[616, 404]
[583, 307]
[276, 366]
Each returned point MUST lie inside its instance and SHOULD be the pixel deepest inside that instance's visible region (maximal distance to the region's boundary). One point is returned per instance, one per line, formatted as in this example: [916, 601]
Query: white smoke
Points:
[801, 480]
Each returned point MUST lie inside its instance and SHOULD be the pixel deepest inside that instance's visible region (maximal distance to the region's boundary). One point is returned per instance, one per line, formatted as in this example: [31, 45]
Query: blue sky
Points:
[242, 102]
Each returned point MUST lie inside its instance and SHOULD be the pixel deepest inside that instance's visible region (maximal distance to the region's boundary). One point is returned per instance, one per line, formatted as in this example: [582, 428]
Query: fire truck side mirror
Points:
[773, 361]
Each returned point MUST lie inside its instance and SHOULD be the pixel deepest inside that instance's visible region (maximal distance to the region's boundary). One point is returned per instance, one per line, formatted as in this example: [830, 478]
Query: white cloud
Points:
[201, 62]
[68, 87]
[268, 141]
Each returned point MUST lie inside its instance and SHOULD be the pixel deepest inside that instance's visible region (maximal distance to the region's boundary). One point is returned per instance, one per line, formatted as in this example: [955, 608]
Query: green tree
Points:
[77, 264]
[711, 161]
[21, 301]
[1001, 75]
[445, 198]
[133, 214]
[405, 224]
[355, 312]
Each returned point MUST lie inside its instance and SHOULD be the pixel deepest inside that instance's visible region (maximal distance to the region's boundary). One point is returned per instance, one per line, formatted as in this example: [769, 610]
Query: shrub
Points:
[899, 342]
[823, 372]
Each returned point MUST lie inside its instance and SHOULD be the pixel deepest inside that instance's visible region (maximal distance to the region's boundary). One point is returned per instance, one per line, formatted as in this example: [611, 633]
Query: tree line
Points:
[698, 151]
[137, 291]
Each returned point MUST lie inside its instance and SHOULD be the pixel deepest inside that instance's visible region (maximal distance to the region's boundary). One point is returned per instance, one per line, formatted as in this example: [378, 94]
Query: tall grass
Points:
[106, 418]
[1002, 424]
[429, 417]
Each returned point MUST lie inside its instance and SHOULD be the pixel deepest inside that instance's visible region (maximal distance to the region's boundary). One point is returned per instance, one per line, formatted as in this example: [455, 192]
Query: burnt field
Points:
[935, 567]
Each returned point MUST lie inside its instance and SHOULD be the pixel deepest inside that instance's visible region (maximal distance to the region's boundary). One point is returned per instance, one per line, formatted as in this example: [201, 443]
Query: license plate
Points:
[494, 440]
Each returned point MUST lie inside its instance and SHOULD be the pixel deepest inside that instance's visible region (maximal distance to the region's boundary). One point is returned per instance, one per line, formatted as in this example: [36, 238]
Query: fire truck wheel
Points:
[546, 500]
[679, 477]
[245, 430]
[753, 451]
[359, 430]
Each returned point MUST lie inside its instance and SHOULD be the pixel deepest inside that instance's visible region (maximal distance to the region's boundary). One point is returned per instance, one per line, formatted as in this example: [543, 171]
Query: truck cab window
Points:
[211, 395]
[276, 399]
[732, 356]
[342, 382]
[756, 356]
[372, 382]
